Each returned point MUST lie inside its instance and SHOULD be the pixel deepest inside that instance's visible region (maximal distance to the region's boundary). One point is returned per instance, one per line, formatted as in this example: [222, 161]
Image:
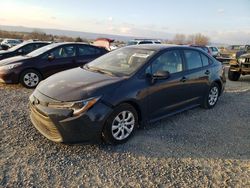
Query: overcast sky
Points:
[225, 21]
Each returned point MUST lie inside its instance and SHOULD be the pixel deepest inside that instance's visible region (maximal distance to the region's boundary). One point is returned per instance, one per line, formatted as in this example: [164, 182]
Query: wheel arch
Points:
[218, 82]
[136, 106]
[30, 68]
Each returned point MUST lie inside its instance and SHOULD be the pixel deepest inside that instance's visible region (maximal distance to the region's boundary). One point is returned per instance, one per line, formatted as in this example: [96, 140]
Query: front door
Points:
[167, 95]
[59, 59]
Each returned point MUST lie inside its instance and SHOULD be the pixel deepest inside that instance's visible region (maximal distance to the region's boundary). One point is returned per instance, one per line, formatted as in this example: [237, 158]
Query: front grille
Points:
[246, 66]
[44, 125]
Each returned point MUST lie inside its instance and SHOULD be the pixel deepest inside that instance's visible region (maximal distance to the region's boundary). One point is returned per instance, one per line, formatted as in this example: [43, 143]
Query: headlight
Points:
[78, 107]
[233, 55]
[241, 60]
[11, 66]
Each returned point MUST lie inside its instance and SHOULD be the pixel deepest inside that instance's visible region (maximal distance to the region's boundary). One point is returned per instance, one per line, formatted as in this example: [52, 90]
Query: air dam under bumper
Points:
[60, 126]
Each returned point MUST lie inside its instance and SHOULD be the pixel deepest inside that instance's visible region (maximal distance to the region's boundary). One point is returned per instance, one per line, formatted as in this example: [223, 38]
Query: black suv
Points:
[238, 67]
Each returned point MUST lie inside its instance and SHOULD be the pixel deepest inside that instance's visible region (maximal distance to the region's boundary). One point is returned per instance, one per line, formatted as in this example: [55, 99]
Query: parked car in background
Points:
[111, 96]
[244, 50]
[233, 52]
[239, 67]
[8, 43]
[105, 43]
[143, 41]
[204, 48]
[214, 51]
[230, 51]
[30, 69]
[22, 49]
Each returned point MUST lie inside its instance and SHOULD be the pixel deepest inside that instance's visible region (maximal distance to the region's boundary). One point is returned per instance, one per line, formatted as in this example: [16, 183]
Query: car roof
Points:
[159, 47]
[35, 42]
[64, 43]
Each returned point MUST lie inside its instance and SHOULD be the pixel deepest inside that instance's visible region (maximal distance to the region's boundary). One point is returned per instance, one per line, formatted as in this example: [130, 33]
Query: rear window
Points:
[205, 60]
[157, 42]
[145, 42]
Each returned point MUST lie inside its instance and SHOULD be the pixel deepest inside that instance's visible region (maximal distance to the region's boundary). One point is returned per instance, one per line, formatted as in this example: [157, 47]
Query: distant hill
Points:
[86, 35]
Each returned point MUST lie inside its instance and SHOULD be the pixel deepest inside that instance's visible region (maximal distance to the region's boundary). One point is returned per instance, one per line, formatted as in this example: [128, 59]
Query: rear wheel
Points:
[233, 76]
[212, 96]
[30, 78]
[120, 125]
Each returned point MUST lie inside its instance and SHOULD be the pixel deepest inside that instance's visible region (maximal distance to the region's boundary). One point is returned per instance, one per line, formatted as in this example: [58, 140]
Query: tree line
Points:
[196, 39]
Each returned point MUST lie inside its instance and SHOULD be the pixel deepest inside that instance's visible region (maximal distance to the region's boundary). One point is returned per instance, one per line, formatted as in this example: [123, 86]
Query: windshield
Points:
[132, 43]
[17, 46]
[122, 62]
[40, 51]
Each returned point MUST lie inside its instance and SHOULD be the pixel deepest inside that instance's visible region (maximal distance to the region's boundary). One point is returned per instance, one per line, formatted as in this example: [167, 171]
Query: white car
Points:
[214, 51]
[10, 42]
[143, 41]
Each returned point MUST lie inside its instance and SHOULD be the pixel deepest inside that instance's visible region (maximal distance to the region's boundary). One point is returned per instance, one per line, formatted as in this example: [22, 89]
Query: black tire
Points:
[208, 102]
[233, 76]
[108, 134]
[35, 78]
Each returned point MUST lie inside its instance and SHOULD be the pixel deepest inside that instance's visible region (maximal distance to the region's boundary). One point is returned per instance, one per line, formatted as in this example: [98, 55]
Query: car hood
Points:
[2, 52]
[78, 84]
[245, 55]
[12, 60]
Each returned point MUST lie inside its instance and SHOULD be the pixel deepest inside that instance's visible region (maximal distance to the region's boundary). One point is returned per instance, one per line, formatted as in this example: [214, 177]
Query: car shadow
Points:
[222, 132]
[218, 133]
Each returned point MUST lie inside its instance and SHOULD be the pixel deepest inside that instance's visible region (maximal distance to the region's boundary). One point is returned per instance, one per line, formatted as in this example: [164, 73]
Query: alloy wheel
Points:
[213, 96]
[123, 125]
[31, 79]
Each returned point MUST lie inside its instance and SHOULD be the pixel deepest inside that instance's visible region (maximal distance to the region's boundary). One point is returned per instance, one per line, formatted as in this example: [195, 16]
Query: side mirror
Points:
[161, 75]
[51, 57]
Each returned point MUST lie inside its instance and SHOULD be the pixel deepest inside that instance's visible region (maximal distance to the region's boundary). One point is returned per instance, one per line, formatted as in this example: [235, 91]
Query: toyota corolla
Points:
[110, 97]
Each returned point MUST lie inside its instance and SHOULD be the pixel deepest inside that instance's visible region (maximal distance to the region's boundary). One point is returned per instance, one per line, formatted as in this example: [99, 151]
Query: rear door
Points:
[87, 53]
[196, 79]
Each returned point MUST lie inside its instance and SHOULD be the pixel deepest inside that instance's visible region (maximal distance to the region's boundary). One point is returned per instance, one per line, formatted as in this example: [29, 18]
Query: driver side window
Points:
[169, 61]
[62, 52]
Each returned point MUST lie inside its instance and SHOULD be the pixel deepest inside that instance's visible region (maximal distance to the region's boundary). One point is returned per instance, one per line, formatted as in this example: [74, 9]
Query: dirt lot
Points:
[198, 148]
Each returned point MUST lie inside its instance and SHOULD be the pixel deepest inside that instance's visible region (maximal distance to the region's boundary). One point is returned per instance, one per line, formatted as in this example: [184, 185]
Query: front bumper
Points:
[243, 68]
[9, 77]
[59, 125]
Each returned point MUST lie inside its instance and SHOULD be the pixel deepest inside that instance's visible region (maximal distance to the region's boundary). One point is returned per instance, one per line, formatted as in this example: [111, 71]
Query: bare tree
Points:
[199, 39]
[179, 39]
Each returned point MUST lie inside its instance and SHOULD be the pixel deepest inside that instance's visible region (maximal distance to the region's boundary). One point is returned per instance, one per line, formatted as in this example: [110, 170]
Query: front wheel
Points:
[212, 96]
[30, 78]
[120, 125]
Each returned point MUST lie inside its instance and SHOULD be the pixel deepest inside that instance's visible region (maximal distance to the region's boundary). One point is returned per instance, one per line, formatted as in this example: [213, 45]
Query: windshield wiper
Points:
[102, 71]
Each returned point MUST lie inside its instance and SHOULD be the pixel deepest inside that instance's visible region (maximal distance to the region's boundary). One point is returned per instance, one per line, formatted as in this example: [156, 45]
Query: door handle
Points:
[183, 79]
[207, 72]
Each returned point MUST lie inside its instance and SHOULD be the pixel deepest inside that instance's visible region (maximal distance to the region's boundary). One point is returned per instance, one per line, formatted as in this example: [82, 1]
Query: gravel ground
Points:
[197, 148]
